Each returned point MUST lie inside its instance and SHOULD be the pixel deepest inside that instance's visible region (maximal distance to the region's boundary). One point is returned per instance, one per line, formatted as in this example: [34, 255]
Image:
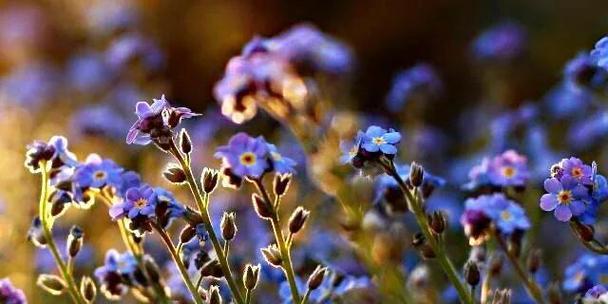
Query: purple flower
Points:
[98, 173]
[565, 198]
[55, 151]
[507, 215]
[502, 42]
[155, 122]
[9, 294]
[280, 163]
[600, 53]
[576, 169]
[245, 156]
[131, 47]
[31, 85]
[419, 79]
[117, 273]
[508, 169]
[378, 139]
[88, 72]
[140, 201]
[596, 292]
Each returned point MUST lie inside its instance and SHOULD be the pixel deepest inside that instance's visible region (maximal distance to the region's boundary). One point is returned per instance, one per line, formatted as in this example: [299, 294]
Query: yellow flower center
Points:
[576, 172]
[248, 159]
[506, 215]
[378, 140]
[140, 203]
[100, 175]
[508, 171]
[564, 197]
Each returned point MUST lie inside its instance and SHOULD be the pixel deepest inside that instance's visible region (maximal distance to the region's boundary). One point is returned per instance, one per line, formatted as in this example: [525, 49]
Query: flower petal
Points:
[392, 137]
[548, 202]
[577, 207]
[563, 213]
[552, 185]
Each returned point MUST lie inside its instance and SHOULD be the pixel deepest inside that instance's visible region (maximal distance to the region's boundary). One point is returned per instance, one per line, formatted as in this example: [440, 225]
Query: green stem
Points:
[202, 202]
[180, 266]
[306, 296]
[278, 235]
[247, 296]
[50, 242]
[531, 287]
[415, 204]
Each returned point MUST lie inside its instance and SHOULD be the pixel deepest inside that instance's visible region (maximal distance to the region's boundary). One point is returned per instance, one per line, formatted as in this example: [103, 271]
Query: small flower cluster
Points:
[248, 157]
[369, 146]
[598, 294]
[587, 271]
[509, 169]
[119, 272]
[575, 190]
[485, 211]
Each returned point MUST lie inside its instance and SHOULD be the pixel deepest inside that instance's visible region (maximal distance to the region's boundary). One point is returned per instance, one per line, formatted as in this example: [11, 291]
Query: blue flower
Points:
[175, 209]
[565, 198]
[117, 273]
[419, 79]
[245, 156]
[504, 170]
[55, 151]
[587, 271]
[600, 53]
[350, 149]
[508, 215]
[9, 294]
[597, 292]
[88, 72]
[378, 139]
[98, 173]
[280, 163]
[505, 41]
[139, 201]
[576, 169]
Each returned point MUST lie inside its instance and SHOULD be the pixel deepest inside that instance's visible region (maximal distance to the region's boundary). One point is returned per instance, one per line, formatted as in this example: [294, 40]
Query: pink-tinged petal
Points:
[563, 213]
[577, 207]
[552, 185]
[142, 109]
[548, 202]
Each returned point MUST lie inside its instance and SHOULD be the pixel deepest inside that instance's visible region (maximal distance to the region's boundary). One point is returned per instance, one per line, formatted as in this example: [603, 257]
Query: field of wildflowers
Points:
[268, 170]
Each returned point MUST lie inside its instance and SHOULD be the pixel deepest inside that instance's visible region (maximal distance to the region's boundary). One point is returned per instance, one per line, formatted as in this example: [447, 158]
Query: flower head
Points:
[565, 197]
[597, 292]
[55, 151]
[117, 273]
[245, 155]
[155, 122]
[576, 169]
[280, 163]
[9, 294]
[139, 201]
[599, 54]
[504, 170]
[378, 139]
[586, 272]
[98, 173]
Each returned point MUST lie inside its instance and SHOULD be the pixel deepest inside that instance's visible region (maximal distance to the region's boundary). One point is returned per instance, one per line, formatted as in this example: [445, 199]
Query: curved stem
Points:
[278, 235]
[593, 245]
[50, 242]
[416, 206]
[178, 262]
[531, 287]
[202, 202]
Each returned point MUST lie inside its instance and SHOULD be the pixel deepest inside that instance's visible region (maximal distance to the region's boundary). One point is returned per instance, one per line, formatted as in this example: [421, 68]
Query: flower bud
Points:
[201, 259]
[495, 266]
[416, 174]
[57, 209]
[192, 217]
[184, 142]
[471, 273]
[228, 226]
[187, 234]
[74, 242]
[175, 174]
[272, 255]
[251, 276]
[437, 222]
[212, 269]
[35, 233]
[88, 289]
[554, 294]
[316, 278]
[534, 260]
[501, 296]
[214, 295]
[419, 242]
[261, 207]
[585, 232]
[152, 269]
[210, 179]
[281, 183]
[51, 284]
[59, 200]
[298, 219]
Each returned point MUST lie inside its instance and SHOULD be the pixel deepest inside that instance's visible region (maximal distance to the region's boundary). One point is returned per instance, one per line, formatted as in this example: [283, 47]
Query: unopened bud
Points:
[228, 226]
[175, 174]
[416, 174]
[214, 295]
[471, 273]
[495, 266]
[534, 260]
[51, 284]
[554, 294]
[187, 234]
[185, 142]
[57, 209]
[74, 242]
[419, 242]
[251, 276]
[298, 219]
[316, 278]
[437, 222]
[261, 206]
[210, 179]
[88, 289]
[152, 269]
[59, 201]
[212, 269]
[201, 259]
[585, 232]
[281, 183]
[272, 255]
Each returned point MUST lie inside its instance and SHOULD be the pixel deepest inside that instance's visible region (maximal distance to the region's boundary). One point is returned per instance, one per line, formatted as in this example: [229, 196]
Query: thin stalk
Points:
[531, 287]
[415, 204]
[593, 245]
[180, 266]
[247, 296]
[278, 235]
[202, 202]
[306, 296]
[50, 242]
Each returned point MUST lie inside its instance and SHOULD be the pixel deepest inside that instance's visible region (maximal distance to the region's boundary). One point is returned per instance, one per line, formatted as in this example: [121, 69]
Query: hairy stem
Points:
[202, 202]
[178, 262]
[50, 242]
[278, 235]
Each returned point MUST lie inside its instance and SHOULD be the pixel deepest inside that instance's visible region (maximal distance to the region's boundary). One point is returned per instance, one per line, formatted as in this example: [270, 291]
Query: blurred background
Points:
[77, 67]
